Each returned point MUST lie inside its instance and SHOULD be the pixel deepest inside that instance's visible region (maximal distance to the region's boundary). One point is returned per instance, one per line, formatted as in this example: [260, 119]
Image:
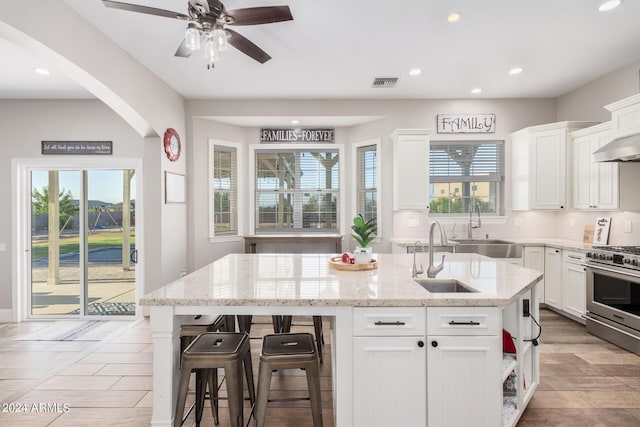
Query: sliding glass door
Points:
[82, 243]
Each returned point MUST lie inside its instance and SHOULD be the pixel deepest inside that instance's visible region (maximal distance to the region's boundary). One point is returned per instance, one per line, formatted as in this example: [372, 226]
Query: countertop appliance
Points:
[613, 295]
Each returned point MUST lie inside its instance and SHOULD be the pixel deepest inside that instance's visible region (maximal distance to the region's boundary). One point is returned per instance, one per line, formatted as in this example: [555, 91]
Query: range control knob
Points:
[609, 258]
[626, 261]
[601, 256]
[589, 255]
[634, 262]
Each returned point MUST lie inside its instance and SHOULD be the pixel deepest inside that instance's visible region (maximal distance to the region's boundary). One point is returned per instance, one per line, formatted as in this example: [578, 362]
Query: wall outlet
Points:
[627, 227]
[3, 247]
[572, 223]
[518, 222]
[414, 223]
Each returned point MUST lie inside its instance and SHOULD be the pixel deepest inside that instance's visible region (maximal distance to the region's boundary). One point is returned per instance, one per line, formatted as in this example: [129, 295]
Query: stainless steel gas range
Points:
[613, 295]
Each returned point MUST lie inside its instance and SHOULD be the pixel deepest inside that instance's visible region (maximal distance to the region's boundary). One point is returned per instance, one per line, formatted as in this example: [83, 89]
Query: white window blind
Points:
[225, 190]
[465, 171]
[367, 182]
[297, 190]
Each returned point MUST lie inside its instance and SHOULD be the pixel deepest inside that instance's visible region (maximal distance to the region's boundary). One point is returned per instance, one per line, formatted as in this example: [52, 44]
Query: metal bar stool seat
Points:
[289, 351]
[207, 353]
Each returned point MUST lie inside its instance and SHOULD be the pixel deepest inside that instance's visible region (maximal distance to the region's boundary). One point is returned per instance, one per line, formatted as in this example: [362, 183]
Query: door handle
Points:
[134, 256]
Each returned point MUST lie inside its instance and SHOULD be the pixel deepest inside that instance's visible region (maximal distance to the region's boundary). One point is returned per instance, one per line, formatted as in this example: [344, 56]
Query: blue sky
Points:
[104, 185]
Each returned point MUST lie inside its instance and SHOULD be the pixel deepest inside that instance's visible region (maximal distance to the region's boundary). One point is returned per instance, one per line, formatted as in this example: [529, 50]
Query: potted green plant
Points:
[363, 233]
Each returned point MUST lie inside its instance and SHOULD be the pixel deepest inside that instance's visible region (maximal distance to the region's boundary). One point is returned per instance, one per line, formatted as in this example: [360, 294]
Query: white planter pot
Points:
[363, 255]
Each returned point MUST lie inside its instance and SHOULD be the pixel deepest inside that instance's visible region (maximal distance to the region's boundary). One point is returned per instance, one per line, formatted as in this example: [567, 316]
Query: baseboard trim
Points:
[6, 315]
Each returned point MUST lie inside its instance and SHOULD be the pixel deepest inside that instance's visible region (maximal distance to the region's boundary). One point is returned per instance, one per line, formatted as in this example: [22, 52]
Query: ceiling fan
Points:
[208, 21]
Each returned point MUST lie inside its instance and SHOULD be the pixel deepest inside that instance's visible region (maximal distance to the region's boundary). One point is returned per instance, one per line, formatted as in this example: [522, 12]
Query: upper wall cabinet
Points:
[411, 169]
[595, 185]
[625, 116]
[539, 167]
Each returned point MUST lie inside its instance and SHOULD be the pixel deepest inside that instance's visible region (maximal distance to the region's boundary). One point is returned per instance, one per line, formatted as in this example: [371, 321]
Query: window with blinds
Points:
[225, 191]
[297, 190]
[367, 181]
[461, 172]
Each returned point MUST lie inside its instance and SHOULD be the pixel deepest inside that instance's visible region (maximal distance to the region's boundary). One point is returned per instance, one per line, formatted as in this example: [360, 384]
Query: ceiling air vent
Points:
[384, 82]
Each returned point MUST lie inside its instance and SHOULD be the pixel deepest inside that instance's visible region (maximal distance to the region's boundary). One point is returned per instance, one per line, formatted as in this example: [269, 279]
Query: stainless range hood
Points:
[623, 149]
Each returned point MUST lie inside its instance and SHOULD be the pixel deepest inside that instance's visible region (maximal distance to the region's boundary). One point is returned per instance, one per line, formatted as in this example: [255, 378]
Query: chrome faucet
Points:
[474, 203]
[415, 270]
[433, 270]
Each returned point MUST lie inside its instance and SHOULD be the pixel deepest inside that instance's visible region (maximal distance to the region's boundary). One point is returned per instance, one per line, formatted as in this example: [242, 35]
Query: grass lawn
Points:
[101, 239]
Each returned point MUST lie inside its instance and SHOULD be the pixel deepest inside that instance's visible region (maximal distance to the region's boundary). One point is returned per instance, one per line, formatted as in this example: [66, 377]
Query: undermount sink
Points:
[443, 285]
[483, 242]
[490, 248]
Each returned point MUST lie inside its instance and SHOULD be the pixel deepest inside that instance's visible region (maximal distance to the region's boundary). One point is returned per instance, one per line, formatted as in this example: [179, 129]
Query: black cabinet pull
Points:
[396, 323]
[420, 344]
[434, 343]
[470, 322]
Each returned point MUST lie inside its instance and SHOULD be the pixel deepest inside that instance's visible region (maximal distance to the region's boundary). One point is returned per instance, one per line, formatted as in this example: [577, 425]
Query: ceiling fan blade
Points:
[145, 9]
[247, 47]
[260, 15]
[183, 51]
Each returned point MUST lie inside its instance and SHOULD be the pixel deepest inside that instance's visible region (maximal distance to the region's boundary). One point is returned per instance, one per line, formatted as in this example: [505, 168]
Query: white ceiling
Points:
[335, 48]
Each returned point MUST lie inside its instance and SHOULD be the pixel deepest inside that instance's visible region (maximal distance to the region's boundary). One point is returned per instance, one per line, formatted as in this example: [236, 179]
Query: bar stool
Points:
[289, 351]
[188, 332]
[207, 353]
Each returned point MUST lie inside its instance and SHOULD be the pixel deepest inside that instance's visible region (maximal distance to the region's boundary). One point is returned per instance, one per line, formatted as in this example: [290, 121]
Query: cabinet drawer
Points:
[463, 321]
[389, 321]
[574, 257]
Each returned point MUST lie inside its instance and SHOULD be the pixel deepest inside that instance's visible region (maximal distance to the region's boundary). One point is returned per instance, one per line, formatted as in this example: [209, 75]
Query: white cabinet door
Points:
[604, 177]
[464, 381]
[582, 180]
[389, 381]
[534, 259]
[553, 277]
[575, 289]
[595, 185]
[548, 151]
[411, 169]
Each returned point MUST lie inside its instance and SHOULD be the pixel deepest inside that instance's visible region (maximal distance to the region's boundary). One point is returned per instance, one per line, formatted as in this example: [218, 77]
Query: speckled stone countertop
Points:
[307, 280]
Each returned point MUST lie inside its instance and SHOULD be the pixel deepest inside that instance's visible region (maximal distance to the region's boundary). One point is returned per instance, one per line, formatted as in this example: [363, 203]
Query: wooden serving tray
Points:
[336, 262]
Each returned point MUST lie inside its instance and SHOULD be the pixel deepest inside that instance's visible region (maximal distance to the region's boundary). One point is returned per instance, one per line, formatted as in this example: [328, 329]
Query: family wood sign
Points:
[466, 123]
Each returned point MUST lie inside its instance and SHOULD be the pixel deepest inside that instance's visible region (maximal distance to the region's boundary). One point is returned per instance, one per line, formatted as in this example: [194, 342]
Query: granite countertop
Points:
[307, 280]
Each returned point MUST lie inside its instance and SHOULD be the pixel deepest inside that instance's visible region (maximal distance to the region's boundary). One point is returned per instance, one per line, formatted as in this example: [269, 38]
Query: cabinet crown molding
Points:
[592, 129]
[614, 106]
[569, 125]
[398, 132]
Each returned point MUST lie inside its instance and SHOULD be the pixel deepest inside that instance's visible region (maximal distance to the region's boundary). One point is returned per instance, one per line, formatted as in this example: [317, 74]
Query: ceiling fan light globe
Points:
[192, 39]
[220, 39]
[211, 51]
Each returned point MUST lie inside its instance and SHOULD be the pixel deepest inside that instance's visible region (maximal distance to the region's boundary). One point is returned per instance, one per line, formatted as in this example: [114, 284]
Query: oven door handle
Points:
[611, 270]
[612, 327]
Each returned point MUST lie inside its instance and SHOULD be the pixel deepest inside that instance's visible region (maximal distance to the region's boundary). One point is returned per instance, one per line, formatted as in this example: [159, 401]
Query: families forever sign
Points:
[296, 135]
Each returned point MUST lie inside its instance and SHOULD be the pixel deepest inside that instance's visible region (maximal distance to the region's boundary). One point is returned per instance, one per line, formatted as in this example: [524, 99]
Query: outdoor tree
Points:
[40, 204]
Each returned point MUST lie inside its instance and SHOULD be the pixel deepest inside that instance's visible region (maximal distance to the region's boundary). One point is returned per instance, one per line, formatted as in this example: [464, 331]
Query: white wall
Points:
[587, 102]
[24, 124]
[511, 115]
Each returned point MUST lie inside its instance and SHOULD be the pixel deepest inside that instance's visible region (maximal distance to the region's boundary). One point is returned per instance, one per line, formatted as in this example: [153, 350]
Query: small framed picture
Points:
[175, 188]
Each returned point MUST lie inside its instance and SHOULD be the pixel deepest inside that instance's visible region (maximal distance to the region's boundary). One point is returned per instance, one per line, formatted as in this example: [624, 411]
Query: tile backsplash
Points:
[625, 226]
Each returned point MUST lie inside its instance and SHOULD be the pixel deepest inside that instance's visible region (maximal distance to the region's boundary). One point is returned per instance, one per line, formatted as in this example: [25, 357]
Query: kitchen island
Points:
[368, 308]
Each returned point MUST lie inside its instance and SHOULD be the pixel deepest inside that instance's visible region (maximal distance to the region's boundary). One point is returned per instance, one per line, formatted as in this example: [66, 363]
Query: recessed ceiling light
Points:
[295, 122]
[415, 72]
[515, 70]
[476, 90]
[454, 17]
[609, 4]
[41, 71]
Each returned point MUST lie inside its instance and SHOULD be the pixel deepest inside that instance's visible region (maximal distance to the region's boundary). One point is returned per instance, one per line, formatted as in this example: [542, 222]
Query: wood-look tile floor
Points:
[585, 381]
[108, 382]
